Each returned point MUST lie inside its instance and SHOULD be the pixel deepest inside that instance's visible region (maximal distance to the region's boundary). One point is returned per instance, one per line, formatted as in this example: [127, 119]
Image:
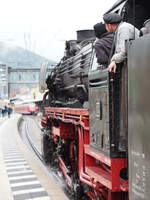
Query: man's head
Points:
[111, 21]
[99, 29]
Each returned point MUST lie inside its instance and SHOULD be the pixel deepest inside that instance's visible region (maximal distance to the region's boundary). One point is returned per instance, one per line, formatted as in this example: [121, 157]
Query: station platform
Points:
[22, 176]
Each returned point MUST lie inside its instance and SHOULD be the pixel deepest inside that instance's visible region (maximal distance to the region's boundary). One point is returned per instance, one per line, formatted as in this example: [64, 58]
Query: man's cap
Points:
[112, 18]
[99, 29]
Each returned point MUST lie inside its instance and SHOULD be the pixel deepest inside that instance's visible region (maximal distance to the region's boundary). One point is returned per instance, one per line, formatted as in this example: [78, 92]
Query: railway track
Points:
[54, 173]
[35, 149]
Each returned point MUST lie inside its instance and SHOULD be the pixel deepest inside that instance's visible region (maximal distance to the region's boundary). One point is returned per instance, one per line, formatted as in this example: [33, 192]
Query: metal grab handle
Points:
[100, 83]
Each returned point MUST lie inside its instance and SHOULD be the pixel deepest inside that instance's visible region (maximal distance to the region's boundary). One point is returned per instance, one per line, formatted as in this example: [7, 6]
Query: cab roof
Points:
[119, 2]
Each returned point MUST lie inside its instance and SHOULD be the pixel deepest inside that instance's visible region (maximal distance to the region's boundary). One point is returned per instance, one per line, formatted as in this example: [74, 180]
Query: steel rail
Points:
[35, 149]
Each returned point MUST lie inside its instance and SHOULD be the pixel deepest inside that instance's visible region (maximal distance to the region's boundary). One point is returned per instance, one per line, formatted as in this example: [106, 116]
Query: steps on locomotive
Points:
[103, 169]
[22, 174]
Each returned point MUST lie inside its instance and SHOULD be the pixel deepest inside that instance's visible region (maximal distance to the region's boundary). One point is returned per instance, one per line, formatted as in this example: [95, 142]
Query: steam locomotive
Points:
[95, 123]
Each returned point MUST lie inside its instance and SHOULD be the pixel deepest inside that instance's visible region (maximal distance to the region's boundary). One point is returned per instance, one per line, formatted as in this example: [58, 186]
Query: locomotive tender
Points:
[95, 123]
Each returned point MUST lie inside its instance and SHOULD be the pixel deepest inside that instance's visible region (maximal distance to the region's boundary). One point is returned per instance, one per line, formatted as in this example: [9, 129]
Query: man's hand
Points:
[112, 67]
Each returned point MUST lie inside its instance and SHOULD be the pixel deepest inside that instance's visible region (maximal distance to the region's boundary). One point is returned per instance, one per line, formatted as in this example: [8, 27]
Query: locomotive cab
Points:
[116, 118]
[108, 91]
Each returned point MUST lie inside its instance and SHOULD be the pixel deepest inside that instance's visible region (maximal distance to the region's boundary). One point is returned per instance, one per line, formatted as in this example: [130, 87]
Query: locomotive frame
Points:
[101, 173]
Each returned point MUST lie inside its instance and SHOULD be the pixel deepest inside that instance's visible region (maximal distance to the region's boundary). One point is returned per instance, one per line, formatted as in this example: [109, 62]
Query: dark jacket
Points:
[103, 47]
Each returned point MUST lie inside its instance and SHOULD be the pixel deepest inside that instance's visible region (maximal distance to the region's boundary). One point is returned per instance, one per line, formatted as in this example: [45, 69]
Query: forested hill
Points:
[18, 57]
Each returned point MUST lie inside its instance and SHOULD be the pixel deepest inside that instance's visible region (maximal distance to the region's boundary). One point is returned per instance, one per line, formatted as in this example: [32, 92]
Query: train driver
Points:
[123, 31]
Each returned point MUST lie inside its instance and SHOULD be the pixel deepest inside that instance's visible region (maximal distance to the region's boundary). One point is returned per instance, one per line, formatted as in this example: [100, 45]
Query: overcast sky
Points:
[43, 25]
